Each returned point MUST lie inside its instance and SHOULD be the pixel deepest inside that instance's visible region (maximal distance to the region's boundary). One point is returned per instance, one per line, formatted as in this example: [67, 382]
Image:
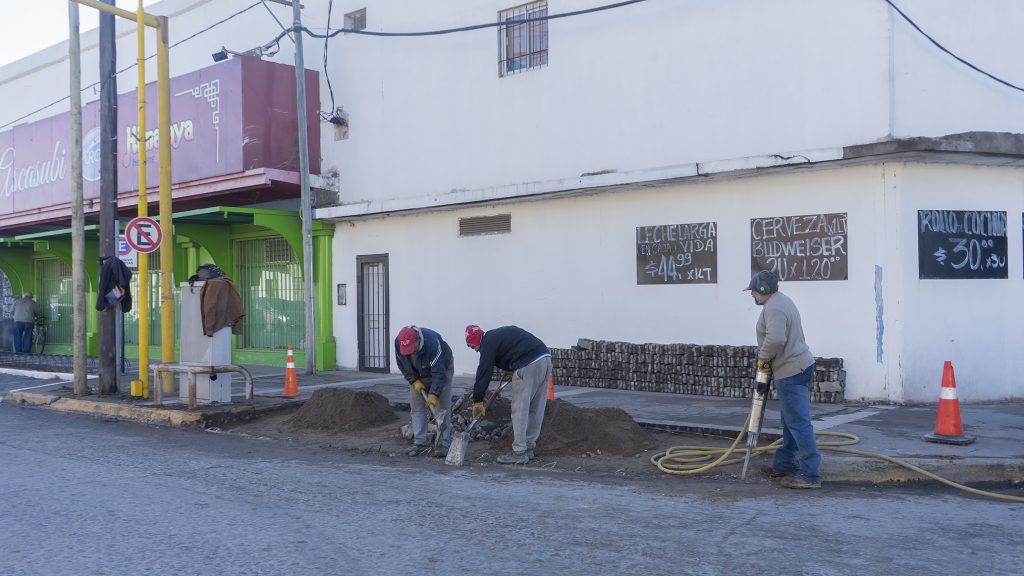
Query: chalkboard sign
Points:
[969, 244]
[811, 247]
[677, 254]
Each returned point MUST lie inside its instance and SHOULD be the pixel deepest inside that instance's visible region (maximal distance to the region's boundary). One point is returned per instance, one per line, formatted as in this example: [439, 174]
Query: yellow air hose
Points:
[691, 460]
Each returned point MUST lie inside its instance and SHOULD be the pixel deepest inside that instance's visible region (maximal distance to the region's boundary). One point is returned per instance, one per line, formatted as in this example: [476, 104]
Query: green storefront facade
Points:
[235, 194]
[261, 250]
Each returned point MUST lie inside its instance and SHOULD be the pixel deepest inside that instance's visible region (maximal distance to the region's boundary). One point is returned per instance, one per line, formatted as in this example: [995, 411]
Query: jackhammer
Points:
[764, 384]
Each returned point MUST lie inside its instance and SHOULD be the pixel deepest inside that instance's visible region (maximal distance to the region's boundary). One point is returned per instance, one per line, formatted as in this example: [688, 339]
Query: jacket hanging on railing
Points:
[221, 306]
[115, 279]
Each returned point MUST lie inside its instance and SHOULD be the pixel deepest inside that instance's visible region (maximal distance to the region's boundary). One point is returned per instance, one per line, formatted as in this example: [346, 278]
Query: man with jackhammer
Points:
[780, 343]
[514, 350]
[425, 361]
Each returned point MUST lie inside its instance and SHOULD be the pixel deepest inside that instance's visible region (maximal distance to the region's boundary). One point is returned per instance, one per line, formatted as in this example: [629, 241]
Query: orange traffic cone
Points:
[948, 427]
[551, 387]
[291, 384]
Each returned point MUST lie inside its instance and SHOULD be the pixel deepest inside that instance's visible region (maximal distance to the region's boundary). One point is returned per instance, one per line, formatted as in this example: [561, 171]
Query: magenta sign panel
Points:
[226, 119]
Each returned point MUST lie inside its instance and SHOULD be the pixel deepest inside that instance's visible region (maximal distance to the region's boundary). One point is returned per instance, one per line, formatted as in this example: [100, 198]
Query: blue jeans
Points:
[797, 431]
[23, 336]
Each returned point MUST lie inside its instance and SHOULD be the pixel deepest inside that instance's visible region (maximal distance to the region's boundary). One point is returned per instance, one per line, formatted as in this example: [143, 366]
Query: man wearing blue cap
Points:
[780, 344]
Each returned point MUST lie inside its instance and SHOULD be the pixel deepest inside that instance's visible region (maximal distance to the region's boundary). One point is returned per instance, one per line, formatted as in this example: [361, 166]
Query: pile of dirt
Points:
[341, 409]
[569, 429]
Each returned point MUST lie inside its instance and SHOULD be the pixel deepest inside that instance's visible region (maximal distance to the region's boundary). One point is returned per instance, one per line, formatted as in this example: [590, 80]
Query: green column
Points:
[326, 346]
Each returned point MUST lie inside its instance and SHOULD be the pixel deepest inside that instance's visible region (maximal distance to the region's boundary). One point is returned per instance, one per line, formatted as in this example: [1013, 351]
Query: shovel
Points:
[457, 450]
[439, 423]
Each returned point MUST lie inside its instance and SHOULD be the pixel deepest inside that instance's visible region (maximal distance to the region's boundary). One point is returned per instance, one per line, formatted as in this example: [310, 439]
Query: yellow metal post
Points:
[166, 210]
[142, 389]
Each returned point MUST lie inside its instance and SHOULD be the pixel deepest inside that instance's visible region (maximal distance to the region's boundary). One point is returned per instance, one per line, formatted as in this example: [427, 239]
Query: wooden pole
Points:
[77, 207]
[108, 319]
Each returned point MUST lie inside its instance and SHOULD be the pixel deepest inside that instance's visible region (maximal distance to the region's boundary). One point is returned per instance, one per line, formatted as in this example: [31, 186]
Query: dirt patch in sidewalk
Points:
[341, 409]
[571, 430]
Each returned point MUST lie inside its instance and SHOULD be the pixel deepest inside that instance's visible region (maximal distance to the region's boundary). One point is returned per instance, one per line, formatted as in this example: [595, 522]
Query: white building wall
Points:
[976, 324]
[933, 94]
[568, 271]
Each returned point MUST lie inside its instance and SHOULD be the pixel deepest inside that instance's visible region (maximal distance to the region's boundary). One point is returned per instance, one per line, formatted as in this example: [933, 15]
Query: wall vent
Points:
[481, 225]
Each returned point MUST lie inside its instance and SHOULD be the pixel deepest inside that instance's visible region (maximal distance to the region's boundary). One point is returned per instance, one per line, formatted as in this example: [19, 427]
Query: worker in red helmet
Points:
[515, 350]
[425, 360]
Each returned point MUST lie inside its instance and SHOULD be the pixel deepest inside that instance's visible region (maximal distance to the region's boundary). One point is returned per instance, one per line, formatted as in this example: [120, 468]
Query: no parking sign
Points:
[143, 234]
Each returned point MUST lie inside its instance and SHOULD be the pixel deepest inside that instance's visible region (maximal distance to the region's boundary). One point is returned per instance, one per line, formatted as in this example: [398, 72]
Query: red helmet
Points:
[474, 335]
[407, 341]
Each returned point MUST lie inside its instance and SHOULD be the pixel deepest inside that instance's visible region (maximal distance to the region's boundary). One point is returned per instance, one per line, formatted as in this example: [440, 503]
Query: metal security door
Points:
[372, 286]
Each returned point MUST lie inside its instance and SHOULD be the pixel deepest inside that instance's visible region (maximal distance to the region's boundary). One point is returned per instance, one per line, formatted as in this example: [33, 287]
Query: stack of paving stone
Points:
[707, 370]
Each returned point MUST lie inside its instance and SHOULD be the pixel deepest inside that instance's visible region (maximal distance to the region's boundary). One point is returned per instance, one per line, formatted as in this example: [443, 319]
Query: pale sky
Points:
[27, 26]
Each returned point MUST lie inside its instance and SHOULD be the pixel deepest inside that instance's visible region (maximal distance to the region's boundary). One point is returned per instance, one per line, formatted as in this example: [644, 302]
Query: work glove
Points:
[419, 386]
[433, 401]
[765, 365]
[478, 410]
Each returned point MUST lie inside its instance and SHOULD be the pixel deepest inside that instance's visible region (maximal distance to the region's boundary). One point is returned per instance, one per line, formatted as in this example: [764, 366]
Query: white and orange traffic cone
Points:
[291, 384]
[948, 427]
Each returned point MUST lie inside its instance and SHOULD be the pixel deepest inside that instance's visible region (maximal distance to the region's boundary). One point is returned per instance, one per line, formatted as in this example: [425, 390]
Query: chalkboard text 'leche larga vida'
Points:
[677, 254]
[807, 247]
[967, 244]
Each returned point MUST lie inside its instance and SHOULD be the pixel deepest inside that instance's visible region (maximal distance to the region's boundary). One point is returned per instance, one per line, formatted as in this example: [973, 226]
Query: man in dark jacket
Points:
[514, 350]
[425, 361]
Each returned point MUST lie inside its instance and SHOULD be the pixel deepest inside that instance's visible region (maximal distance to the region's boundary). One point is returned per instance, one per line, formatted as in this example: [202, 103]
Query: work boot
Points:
[417, 450]
[513, 457]
[530, 452]
[799, 483]
[773, 473]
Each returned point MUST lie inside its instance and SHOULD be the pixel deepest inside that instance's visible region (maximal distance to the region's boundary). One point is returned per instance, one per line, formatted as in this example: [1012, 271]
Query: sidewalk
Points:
[895, 431]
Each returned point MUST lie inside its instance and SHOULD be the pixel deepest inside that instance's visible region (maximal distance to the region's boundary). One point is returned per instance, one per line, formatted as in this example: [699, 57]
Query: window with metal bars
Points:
[270, 284]
[131, 318]
[53, 278]
[522, 46]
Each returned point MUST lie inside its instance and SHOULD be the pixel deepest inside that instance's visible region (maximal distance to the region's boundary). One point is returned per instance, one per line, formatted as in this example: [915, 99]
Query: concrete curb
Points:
[150, 414]
[145, 414]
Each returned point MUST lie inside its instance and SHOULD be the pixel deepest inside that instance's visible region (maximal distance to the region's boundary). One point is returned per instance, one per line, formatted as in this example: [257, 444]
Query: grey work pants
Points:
[421, 414]
[529, 397]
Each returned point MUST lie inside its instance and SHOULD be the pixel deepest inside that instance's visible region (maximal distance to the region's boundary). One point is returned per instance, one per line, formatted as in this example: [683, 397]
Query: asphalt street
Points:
[87, 496]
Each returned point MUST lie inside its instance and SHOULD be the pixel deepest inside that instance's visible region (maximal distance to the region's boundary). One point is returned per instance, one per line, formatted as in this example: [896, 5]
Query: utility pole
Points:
[305, 203]
[77, 206]
[108, 319]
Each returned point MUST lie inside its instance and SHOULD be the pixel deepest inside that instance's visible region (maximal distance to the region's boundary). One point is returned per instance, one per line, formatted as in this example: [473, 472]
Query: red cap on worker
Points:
[407, 341]
[473, 335]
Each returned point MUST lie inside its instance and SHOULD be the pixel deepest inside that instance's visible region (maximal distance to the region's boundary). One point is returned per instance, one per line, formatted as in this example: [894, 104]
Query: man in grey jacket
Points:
[780, 343]
[24, 311]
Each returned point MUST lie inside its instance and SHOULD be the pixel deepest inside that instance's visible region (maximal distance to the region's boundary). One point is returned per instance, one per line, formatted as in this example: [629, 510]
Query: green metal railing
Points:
[53, 279]
[271, 286]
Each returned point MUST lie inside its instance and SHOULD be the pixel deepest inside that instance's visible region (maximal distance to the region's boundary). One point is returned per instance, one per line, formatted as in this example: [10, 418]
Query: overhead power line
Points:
[133, 64]
[947, 51]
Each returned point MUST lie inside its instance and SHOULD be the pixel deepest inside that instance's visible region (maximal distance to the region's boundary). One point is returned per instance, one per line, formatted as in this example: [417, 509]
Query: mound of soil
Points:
[341, 409]
[569, 429]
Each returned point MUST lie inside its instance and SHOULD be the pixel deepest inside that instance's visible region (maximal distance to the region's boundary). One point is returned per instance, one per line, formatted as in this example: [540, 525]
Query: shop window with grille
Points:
[270, 283]
[53, 279]
[522, 46]
[131, 319]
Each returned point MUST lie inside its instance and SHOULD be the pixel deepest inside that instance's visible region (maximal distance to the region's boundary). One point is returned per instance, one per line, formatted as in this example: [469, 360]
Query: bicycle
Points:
[39, 335]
